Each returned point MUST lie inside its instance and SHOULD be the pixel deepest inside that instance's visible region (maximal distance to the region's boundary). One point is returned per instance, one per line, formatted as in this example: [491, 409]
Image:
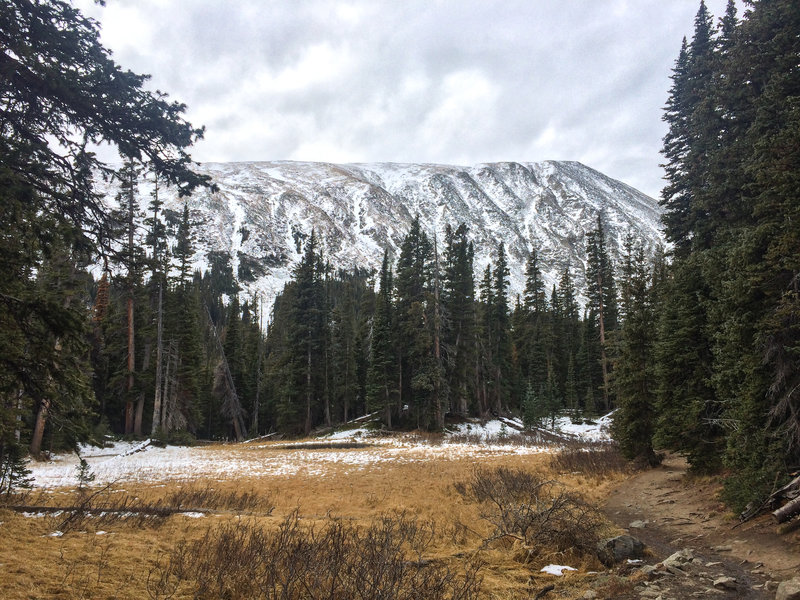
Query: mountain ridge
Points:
[264, 210]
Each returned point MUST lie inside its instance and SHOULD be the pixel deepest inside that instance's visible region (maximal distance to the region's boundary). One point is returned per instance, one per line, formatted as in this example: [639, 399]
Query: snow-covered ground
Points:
[598, 431]
[142, 462]
[511, 428]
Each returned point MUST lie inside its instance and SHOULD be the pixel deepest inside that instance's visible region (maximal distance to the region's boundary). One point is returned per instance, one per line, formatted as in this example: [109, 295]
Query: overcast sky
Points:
[455, 82]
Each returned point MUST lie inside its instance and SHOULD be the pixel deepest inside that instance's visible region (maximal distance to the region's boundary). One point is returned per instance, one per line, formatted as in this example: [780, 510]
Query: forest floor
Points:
[680, 511]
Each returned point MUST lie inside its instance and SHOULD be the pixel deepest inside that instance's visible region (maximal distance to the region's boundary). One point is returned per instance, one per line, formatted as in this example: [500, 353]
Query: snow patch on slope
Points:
[358, 210]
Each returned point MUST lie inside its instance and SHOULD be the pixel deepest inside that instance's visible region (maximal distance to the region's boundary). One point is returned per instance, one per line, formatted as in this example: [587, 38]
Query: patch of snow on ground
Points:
[488, 430]
[599, 431]
[142, 462]
[557, 570]
[113, 448]
[350, 434]
[263, 460]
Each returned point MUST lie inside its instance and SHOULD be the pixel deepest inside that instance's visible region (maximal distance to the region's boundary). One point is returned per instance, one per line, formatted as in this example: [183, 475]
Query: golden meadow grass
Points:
[113, 559]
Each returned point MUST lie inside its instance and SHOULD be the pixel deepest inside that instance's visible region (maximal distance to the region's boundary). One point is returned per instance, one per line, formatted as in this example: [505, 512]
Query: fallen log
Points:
[790, 490]
[789, 526]
[787, 511]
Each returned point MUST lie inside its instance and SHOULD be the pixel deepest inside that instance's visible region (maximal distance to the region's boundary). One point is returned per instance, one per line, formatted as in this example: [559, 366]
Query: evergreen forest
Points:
[106, 328]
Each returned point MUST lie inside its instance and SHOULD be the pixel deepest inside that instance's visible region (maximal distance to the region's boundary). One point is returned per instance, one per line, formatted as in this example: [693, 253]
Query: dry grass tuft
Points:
[196, 497]
[599, 461]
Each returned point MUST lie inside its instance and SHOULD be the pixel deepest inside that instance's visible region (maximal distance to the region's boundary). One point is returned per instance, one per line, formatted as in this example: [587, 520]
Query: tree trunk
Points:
[603, 357]
[327, 394]
[44, 406]
[130, 381]
[388, 407]
[497, 387]
[307, 426]
[18, 417]
[159, 360]
[137, 423]
[166, 408]
[399, 388]
[38, 428]
[439, 409]
[256, 404]
[129, 424]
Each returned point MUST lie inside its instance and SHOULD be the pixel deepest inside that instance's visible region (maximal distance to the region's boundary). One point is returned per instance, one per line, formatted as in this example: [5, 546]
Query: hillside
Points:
[263, 211]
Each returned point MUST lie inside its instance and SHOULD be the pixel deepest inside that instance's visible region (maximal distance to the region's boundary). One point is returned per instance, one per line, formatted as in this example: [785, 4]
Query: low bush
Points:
[539, 513]
[601, 460]
[205, 497]
[105, 507]
[333, 561]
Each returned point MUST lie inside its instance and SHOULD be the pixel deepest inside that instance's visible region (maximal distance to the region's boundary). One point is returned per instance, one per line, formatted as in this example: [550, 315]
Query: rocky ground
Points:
[695, 549]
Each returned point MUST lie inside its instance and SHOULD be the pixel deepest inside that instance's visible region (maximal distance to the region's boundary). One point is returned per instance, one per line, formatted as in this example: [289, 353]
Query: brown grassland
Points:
[123, 557]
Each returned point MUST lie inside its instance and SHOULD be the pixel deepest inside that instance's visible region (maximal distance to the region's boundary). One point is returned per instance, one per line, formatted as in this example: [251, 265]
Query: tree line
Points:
[723, 355]
[429, 342]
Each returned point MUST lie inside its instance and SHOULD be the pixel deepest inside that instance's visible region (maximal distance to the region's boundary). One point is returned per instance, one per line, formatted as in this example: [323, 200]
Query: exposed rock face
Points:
[263, 212]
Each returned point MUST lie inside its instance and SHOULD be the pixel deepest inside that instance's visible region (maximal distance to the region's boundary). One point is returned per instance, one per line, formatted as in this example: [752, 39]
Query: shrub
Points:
[539, 513]
[206, 497]
[601, 460]
[336, 560]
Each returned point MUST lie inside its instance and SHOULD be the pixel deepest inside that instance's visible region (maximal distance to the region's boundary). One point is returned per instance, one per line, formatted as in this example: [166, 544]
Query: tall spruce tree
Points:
[300, 406]
[382, 379]
[602, 296]
[458, 298]
[484, 369]
[727, 330]
[635, 417]
[414, 316]
[501, 339]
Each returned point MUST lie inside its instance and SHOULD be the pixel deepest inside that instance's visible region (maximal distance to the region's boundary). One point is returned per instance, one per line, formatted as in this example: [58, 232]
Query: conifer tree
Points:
[458, 298]
[501, 332]
[688, 414]
[344, 352]
[533, 408]
[725, 358]
[485, 315]
[160, 260]
[300, 406]
[50, 117]
[568, 339]
[382, 381]
[634, 420]
[531, 330]
[415, 325]
[185, 316]
[602, 300]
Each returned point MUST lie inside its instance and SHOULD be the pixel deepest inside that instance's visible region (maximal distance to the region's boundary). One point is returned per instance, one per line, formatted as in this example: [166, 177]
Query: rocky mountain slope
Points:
[263, 212]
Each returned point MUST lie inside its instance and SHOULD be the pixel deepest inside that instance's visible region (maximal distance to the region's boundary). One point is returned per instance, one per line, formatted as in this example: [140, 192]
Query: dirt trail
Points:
[679, 512]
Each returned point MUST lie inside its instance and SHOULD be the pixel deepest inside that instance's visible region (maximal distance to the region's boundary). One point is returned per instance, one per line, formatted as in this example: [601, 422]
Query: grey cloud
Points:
[583, 80]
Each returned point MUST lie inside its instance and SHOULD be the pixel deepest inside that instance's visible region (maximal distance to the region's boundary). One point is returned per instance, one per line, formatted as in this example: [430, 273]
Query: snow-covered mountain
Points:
[263, 212]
